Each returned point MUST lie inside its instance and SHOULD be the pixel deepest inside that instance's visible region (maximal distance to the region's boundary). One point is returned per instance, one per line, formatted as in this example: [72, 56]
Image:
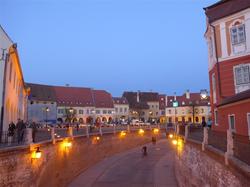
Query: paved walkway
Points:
[130, 169]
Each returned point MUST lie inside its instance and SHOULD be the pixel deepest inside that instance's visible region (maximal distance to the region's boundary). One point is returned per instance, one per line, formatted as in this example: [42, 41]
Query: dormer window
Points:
[238, 35]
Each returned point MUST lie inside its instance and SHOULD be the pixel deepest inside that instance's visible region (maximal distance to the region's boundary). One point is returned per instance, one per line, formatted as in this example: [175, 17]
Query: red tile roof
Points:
[162, 102]
[225, 8]
[73, 96]
[102, 99]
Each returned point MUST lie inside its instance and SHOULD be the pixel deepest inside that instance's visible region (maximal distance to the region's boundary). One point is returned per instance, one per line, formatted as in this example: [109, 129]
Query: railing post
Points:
[177, 129]
[205, 138]
[186, 132]
[87, 130]
[114, 128]
[52, 132]
[230, 145]
[100, 130]
[70, 132]
[28, 136]
[128, 128]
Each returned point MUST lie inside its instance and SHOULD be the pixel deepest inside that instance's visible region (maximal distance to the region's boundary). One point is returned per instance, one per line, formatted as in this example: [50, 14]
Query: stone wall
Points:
[59, 165]
[196, 168]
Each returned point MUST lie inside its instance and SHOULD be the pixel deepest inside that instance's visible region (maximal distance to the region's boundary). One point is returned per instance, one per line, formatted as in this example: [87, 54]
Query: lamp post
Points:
[46, 115]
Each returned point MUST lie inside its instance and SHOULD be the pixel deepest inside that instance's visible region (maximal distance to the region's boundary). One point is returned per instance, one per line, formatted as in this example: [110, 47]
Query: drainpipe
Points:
[217, 62]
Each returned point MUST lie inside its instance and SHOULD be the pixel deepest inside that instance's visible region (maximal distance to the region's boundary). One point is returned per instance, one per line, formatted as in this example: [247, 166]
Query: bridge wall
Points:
[58, 165]
[196, 168]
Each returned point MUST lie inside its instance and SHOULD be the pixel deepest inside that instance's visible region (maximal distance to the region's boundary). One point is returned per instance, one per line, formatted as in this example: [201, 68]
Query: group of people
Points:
[18, 130]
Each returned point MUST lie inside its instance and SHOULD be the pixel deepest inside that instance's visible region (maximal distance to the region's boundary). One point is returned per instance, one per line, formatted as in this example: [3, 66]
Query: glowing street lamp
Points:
[36, 154]
[175, 142]
[156, 131]
[123, 134]
[141, 132]
[171, 136]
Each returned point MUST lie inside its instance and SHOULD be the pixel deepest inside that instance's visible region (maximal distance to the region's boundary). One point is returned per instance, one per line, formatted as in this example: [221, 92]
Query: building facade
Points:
[228, 40]
[189, 107]
[143, 106]
[12, 87]
[121, 109]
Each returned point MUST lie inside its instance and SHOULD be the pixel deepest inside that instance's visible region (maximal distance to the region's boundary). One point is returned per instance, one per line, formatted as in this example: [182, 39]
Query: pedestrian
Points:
[144, 151]
[209, 123]
[11, 132]
[203, 123]
[33, 126]
[77, 127]
[19, 130]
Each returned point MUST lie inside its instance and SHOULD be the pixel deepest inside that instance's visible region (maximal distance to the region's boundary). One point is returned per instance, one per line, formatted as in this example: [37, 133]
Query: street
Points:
[131, 169]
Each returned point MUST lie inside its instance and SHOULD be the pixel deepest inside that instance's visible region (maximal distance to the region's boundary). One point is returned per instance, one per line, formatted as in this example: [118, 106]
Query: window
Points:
[242, 74]
[211, 47]
[169, 111]
[125, 110]
[214, 87]
[216, 117]
[60, 111]
[87, 111]
[116, 110]
[121, 110]
[98, 111]
[231, 119]
[110, 112]
[80, 111]
[104, 111]
[238, 34]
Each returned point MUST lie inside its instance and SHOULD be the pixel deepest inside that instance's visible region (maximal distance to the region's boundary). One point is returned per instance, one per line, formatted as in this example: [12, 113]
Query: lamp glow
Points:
[141, 131]
[123, 134]
[36, 154]
[175, 142]
[156, 131]
[67, 144]
[171, 136]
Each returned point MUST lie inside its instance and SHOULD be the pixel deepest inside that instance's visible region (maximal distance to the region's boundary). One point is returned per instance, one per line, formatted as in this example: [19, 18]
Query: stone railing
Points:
[230, 145]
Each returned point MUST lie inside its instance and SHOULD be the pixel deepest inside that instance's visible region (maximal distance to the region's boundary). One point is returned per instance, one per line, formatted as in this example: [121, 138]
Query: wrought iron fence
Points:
[196, 133]
[218, 140]
[8, 139]
[42, 135]
[242, 148]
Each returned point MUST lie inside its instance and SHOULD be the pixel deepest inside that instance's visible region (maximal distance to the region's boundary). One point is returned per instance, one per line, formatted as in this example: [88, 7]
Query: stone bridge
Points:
[63, 159]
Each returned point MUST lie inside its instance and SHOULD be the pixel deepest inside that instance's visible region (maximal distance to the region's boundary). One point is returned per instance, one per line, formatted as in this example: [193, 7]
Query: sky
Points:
[116, 45]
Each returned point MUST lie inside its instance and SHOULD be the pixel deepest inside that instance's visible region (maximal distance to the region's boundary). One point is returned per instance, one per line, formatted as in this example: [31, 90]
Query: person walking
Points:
[203, 123]
[11, 132]
[19, 129]
[209, 123]
[33, 126]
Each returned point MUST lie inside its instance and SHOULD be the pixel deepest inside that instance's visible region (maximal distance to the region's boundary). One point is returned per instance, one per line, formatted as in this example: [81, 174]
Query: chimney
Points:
[187, 94]
[138, 96]
[166, 100]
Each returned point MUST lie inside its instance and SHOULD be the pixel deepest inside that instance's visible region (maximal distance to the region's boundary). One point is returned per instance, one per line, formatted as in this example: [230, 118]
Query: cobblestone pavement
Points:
[131, 169]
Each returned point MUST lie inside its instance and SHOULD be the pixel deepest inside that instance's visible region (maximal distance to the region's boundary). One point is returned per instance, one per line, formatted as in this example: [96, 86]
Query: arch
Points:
[89, 120]
[74, 120]
[196, 119]
[110, 119]
[81, 120]
[98, 120]
[60, 120]
[67, 120]
[104, 119]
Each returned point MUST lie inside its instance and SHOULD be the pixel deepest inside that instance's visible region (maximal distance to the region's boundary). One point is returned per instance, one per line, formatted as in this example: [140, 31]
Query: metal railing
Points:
[8, 139]
[218, 140]
[242, 147]
[196, 133]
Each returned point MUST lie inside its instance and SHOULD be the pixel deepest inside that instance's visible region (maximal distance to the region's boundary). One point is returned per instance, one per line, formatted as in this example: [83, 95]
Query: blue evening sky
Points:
[115, 45]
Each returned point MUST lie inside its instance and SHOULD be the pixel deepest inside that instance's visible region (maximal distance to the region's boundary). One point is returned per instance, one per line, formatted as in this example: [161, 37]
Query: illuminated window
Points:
[242, 74]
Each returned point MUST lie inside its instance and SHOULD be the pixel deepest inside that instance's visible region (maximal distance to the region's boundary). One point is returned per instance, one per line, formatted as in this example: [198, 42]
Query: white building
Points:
[121, 109]
[13, 94]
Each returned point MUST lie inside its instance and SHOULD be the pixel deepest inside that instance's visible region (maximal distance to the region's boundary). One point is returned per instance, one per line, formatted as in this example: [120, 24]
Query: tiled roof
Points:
[236, 98]
[225, 8]
[120, 100]
[73, 96]
[41, 92]
[102, 99]
[195, 99]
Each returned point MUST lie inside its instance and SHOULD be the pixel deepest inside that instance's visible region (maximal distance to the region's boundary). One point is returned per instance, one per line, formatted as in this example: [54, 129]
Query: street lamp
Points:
[46, 115]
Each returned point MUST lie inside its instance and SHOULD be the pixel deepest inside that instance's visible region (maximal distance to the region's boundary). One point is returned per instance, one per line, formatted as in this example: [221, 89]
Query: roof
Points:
[102, 99]
[144, 97]
[225, 8]
[236, 98]
[120, 101]
[195, 99]
[41, 92]
[71, 96]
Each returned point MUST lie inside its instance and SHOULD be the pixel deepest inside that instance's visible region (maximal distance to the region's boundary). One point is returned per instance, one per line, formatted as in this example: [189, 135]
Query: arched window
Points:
[238, 35]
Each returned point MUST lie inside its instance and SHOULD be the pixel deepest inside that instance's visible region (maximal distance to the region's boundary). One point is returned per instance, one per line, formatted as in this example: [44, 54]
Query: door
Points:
[231, 119]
